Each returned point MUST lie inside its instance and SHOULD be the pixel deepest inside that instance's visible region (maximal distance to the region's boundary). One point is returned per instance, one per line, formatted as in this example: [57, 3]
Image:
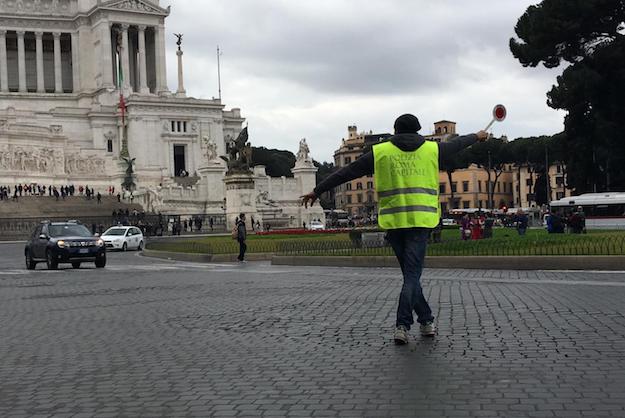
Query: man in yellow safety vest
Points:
[405, 170]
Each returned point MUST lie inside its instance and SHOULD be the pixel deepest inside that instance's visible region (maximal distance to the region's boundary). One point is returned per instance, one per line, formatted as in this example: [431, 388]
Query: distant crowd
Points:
[59, 192]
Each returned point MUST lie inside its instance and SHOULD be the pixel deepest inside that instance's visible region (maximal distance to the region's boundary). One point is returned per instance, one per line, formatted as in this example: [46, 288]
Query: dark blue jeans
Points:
[409, 246]
[242, 250]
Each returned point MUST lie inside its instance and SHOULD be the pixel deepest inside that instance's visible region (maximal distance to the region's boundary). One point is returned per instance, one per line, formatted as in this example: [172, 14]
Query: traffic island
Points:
[598, 262]
[205, 258]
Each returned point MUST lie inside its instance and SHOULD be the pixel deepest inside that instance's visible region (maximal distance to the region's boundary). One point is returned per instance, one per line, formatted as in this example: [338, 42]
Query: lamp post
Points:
[223, 207]
[490, 191]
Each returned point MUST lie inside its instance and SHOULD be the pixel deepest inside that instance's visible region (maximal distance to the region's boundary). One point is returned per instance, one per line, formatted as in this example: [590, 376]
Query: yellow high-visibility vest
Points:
[407, 186]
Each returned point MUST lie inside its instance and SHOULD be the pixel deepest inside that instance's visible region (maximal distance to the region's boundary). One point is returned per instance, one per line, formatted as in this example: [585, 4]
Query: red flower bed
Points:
[302, 231]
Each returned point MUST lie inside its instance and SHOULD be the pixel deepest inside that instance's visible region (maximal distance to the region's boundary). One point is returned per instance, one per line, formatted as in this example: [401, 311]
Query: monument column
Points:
[161, 64]
[107, 56]
[39, 48]
[21, 61]
[58, 68]
[143, 71]
[4, 81]
[180, 92]
[125, 57]
[75, 63]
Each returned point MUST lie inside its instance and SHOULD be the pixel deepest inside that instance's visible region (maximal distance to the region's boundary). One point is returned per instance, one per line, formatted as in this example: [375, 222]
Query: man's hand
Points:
[309, 198]
[482, 136]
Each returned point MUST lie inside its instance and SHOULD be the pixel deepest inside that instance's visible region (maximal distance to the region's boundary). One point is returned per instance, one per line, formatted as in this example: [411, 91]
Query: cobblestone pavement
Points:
[156, 338]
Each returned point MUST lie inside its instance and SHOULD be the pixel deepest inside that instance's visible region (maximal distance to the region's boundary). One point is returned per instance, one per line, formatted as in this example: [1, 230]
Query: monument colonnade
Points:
[11, 71]
[21, 36]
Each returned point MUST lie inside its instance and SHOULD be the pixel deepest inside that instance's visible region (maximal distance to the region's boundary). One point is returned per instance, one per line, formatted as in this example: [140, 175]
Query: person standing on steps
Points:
[405, 169]
[241, 236]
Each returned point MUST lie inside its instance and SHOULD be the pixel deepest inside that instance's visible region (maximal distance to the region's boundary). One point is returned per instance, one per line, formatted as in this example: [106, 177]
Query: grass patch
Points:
[505, 241]
[255, 243]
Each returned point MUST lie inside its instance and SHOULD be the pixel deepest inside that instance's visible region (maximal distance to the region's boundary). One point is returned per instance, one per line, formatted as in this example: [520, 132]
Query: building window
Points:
[559, 195]
[498, 187]
[454, 187]
[369, 185]
[443, 207]
[558, 169]
[559, 180]
[442, 188]
[479, 204]
[505, 187]
[348, 160]
[528, 182]
[465, 186]
[466, 204]
[479, 186]
[349, 199]
[348, 186]
[510, 187]
[359, 186]
[529, 197]
[179, 126]
[359, 197]
[370, 198]
[109, 145]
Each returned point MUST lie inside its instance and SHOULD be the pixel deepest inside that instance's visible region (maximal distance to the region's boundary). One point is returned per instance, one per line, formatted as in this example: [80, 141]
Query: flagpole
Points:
[219, 71]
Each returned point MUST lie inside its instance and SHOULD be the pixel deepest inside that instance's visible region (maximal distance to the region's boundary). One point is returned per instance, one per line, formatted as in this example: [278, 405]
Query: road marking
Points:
[12, 272]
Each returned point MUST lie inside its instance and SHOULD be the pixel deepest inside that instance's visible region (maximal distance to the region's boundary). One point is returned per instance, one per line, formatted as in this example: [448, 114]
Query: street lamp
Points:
[223, 207]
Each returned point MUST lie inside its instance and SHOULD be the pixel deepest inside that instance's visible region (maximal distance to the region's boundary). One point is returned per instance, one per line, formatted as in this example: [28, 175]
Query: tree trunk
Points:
[489, 190]
[451, 190]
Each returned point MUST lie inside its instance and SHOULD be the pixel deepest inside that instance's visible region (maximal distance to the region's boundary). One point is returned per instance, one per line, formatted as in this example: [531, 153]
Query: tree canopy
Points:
[278, 163]
[590, 36]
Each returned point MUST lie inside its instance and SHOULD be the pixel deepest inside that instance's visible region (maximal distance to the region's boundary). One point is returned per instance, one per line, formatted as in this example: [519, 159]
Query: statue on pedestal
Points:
[303, 153]
[129, 182]
[211, 150]
[179, 40]
[239, 157]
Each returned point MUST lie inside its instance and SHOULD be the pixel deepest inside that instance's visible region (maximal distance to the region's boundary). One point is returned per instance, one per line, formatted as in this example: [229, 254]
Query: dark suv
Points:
[64, 242]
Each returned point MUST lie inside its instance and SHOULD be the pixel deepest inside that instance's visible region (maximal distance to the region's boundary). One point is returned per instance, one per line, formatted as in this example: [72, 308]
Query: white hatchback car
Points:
[123, 238]
[316, 226]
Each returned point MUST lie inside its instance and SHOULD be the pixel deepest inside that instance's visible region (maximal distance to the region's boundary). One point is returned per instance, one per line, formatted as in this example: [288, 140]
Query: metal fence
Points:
[567, 245]
[150, 224]
[223, 246]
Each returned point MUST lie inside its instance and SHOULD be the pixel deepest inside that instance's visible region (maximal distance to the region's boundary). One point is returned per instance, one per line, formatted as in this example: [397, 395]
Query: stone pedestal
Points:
[240, 198]
[306, 175]
[211, 185]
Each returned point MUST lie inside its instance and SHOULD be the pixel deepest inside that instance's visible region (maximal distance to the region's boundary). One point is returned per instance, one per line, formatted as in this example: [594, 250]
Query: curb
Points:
[205, 258]
[169, 255]
[608, 263]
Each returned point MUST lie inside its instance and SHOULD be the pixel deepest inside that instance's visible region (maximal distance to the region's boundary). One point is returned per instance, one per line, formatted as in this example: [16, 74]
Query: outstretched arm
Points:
[447, 149]
[361, 167]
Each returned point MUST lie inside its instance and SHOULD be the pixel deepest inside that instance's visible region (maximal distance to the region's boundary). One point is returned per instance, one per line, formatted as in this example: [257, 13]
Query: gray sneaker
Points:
[401, 335]
[428, 329]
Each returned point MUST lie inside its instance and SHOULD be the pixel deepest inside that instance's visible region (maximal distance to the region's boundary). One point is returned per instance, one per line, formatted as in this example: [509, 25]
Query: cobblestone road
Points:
[157, 338]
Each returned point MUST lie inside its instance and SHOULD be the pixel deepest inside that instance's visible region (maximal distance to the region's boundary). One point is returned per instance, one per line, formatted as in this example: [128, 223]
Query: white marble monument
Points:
[81, 80]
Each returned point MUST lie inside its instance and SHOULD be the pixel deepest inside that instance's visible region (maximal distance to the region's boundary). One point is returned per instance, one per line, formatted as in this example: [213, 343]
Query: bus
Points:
[602, 210]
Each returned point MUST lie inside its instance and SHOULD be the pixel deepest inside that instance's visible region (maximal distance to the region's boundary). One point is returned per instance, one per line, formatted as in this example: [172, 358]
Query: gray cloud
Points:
[311, 68]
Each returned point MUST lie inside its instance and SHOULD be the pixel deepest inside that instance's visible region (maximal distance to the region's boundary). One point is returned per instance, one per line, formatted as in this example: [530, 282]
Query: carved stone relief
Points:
[78, 164]
[27, 159]
[135, 5]
[54, 7]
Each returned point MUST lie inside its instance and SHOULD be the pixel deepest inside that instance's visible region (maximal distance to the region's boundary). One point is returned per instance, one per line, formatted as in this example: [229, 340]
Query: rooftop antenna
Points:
[219, 71]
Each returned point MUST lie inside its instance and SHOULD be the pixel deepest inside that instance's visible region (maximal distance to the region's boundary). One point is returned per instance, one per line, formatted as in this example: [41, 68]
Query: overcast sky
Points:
[311, 68]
